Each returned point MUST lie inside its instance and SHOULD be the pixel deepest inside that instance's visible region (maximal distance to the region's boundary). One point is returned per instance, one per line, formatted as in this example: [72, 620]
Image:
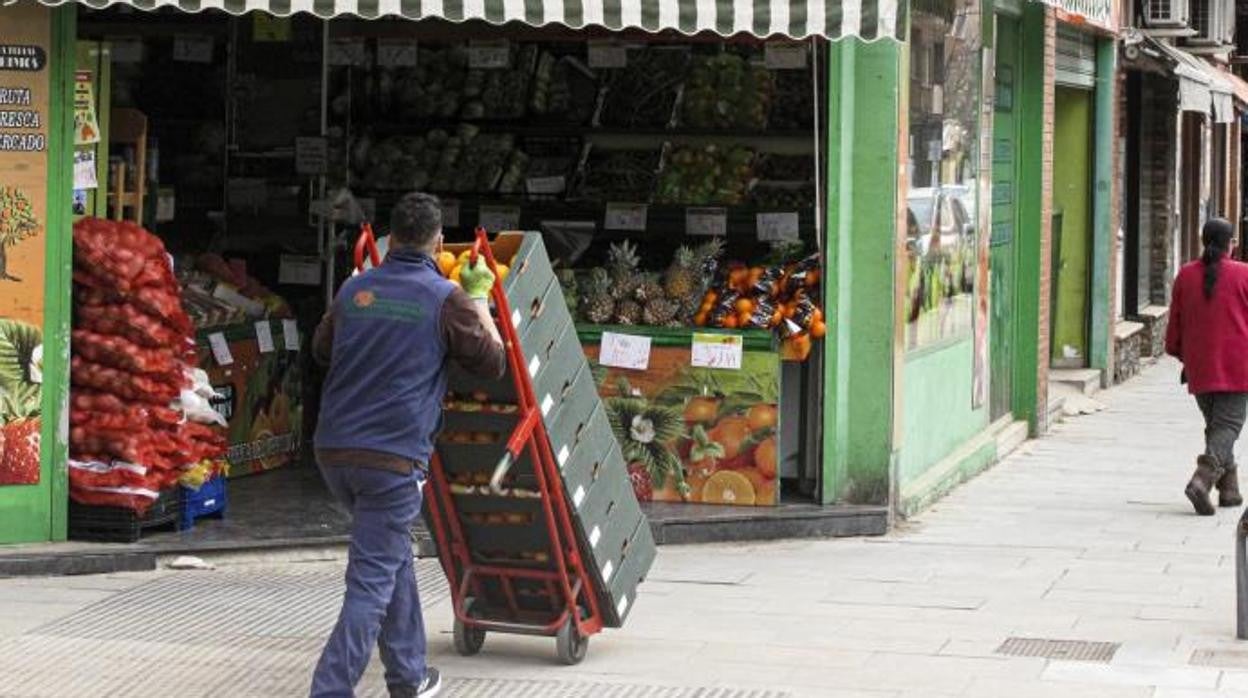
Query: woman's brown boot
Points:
[1207, 472]
[1228, 489]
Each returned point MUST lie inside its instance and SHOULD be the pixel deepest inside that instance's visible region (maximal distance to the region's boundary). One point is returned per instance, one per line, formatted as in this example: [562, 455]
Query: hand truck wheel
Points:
[468, 640]
[570, 644]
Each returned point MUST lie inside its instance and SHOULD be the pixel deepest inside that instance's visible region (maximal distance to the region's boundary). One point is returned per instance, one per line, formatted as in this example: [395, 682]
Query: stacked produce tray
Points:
[106, 524]
[510, 529]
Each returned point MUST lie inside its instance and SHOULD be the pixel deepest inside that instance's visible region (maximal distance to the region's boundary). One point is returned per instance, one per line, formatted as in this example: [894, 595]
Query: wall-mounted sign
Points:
[1098, 13]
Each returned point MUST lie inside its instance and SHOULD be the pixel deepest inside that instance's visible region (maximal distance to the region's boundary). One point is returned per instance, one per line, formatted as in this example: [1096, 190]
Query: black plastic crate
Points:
[106, 524]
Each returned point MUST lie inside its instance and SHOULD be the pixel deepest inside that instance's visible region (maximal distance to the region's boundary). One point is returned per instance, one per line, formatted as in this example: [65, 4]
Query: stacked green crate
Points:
[510, 529]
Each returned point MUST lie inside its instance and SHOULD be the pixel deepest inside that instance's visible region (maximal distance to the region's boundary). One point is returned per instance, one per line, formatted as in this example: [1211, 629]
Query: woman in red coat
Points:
[1208, 332]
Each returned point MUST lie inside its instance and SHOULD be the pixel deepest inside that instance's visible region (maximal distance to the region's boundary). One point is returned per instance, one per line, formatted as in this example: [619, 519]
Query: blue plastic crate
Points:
[209, 500]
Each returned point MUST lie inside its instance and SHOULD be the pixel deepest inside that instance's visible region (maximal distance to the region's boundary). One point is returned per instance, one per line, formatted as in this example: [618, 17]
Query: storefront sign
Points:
[86, 128]
[778, 227]
[607, 54]
[347, 52]
[311, 155]
[625, 351]
[489, 54]
[397, 53]
[717, 351]
[301, 270]
[24, 90]
[1099, 13]
[782, 56]
[625, 217]
[545, 185]
[498, 218]
[189, 48]
[706, 221]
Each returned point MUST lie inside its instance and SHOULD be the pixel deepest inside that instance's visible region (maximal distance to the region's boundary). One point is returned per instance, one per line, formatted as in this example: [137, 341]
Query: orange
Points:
[756, 478]
[762, 416]
[728, 487]
[729, 322]
[731, 433]
[765, 457]
[701, 409]
[818, 329]
[744, 305]
[766, 494]
[455, 271]
[503, 271]
[446, 262]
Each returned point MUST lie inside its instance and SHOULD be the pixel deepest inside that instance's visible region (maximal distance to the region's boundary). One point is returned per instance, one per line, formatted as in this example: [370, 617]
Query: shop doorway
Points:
[1191, 203]
[1005, 184]
[1072, 203]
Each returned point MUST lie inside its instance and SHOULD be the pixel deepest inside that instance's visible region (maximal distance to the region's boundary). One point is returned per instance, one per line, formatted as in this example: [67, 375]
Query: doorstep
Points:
[672, 524]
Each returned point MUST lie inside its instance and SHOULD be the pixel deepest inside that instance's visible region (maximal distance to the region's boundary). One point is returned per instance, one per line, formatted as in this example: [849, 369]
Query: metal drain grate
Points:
[1226, 659]
[1069, 650]
[251, 608]
[496, 688]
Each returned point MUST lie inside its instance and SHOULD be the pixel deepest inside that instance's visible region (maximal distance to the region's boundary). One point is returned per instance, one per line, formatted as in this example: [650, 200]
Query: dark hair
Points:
[416, 219]
[1217, 238]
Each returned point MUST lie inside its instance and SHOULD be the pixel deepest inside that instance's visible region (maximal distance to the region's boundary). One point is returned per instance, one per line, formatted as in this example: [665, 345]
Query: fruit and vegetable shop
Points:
[182, 185]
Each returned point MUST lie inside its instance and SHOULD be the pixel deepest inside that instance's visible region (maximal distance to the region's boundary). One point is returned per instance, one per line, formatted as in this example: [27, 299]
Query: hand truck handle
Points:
[366, 242]
[519, 437]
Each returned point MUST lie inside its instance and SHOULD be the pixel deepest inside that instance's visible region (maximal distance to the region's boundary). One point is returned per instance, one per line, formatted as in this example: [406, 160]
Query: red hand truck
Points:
[486, 596]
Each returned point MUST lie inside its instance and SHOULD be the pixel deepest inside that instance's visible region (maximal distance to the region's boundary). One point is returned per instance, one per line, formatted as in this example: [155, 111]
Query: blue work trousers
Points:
[381, 605]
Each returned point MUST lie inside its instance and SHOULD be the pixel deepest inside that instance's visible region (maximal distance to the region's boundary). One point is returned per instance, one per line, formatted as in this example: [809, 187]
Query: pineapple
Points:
[682, 278]
[571, 296]
[707, 255]
[598, 304]
[659, 311]
[622, 261]
[627, 312]
[648, 290]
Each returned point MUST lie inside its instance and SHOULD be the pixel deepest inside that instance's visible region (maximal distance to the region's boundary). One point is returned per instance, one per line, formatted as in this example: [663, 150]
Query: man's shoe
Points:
[1207, 472]
[429, 686]
[1228, 488]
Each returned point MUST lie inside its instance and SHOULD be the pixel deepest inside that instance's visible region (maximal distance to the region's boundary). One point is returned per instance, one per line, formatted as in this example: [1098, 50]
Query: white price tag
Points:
[717, 351]
[290, 335]
[301, 270]
[396, 53]
[489, 54]
[607, 54]
[220, 349]
[785, 56]
[264, 336]
[777, 227]
[311, 155]
[192, 49]
[706, 221]
[624, 351]
[450, 213]
[498, 218]
[545, 185]
[625, 217]
[347, 52]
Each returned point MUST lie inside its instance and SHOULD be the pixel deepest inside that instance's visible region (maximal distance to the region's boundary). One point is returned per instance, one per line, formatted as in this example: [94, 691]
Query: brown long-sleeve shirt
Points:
[468, 343]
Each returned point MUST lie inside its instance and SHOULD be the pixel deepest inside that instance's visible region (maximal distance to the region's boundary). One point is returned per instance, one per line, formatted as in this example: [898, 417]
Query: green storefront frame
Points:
[863, 148]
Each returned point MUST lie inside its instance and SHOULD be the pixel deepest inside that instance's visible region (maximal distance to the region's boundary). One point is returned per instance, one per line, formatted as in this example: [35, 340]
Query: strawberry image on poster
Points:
[20, 418]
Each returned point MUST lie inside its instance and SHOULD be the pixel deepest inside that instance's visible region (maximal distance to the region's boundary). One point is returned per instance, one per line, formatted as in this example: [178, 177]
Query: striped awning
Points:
[868, 19]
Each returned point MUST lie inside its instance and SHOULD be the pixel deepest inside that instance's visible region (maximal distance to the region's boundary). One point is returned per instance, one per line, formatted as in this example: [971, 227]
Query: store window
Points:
[945, 69]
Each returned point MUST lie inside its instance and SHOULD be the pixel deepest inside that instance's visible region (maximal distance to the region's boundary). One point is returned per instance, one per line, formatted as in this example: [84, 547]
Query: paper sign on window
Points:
[624, 351]
[717, 350]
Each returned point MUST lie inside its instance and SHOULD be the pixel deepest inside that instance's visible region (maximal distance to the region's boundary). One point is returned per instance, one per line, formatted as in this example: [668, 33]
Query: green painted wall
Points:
[1103, 226]
[936, 408]
[863, 107]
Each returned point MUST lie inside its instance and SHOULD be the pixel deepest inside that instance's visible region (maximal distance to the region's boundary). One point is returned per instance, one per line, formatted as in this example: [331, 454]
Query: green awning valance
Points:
[868, 19]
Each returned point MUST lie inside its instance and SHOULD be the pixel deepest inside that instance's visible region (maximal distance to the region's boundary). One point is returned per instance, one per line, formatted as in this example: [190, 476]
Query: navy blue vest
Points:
[387, 376]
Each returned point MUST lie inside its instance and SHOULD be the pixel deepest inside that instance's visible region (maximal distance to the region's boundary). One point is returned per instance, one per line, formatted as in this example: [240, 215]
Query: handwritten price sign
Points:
[626, 217]
[624, 351]
[717, 351]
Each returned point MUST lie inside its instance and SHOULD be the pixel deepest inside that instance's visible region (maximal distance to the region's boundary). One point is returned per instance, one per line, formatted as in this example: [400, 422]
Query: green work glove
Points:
[477, 280]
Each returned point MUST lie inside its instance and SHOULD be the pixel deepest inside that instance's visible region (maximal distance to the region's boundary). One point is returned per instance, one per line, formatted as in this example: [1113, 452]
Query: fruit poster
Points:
[260, 399]
[696, 434]
[25, 35]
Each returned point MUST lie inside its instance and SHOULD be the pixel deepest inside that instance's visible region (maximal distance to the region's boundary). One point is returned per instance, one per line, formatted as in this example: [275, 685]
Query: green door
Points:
[1005, 185]
[1072, 202]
